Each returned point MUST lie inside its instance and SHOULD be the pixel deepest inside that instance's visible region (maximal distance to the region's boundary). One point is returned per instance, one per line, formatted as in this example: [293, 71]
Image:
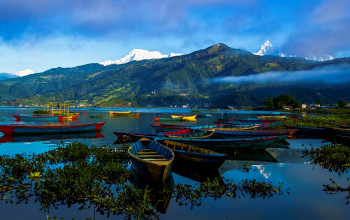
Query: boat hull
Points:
[48, 129]
[152, 169]
[259, 143]
[38, 118]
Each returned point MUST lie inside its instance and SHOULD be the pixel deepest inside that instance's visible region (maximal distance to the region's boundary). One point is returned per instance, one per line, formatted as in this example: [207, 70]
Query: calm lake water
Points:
[306, 198]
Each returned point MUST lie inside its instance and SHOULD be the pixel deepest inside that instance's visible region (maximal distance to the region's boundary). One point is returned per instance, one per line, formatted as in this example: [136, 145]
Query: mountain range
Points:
[268, 49]
[216, 76]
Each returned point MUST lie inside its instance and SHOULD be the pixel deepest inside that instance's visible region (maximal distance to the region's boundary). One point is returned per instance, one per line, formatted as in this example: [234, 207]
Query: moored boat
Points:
[196, 135]
[230, 133]
[131, 137]
[124, 113]
[151, 159]
[272, 117]
[195, 156]
[185, 118]
[38, 118]
[49, 129]
[258, 143]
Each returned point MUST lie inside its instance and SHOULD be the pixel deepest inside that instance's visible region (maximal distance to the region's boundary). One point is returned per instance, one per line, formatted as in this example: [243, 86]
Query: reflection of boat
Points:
[46, 137]
[195, 156]
[250, 155]
[38, 118]
[151, 159]
[161, 194]
[196, 173]
[50, 129]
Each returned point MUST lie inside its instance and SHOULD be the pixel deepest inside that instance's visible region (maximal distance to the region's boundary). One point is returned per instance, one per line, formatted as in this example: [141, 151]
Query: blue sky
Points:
[43, 34]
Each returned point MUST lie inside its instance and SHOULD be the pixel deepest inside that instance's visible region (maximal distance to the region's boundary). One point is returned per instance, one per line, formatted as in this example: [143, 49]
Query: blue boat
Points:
[151, 160]
[195, 156]
[255, 143]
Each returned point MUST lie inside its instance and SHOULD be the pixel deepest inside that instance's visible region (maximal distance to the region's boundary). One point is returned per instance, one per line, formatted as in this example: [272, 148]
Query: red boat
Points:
[38, 118]
[50, 129]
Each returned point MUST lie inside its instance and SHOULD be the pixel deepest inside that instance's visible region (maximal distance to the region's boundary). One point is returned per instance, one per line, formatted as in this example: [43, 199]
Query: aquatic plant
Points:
[333, 157]
[99, 178]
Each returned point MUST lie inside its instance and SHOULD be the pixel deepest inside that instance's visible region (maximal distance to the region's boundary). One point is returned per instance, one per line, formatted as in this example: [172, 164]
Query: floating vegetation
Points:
[334, 188]
[326, 121]
[333, 157]
[99, 178]
[41, 112]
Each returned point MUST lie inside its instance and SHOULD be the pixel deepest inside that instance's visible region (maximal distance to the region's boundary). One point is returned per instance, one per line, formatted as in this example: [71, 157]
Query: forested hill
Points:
[188, 79]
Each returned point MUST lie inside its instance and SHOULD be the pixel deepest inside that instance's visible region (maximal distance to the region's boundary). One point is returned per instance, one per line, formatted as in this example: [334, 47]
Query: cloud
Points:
[321, 29]
[329, 74]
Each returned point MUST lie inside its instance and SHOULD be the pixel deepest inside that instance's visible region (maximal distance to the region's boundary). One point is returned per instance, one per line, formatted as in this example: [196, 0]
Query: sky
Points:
[44, 34]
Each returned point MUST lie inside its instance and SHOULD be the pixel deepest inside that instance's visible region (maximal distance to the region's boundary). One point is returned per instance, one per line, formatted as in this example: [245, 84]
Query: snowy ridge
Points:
[24, 72]
[268, 49]
[139, 54]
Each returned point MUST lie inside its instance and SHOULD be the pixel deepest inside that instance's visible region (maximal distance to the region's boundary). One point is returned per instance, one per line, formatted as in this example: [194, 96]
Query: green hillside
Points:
[178, 80]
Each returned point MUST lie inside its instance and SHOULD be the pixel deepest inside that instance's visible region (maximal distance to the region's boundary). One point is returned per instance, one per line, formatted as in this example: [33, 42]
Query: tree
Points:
[280, 101]
[342, 103]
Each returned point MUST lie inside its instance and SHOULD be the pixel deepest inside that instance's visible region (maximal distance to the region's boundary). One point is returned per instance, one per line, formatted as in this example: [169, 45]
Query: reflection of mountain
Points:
[162, 193]
[288, 155]
[195, 173]
[32, 138]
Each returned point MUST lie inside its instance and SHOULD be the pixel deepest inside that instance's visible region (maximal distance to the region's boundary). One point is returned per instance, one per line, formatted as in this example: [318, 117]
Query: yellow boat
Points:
[118, 112]
[279, 117]
[185, 118]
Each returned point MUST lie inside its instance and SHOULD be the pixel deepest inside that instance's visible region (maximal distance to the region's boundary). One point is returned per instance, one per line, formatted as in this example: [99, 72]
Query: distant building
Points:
[303, 106]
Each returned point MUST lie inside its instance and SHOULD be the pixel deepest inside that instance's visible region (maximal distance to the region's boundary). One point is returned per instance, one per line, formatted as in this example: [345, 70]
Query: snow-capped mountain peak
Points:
[267, 49]
[24, 72]
[139, 54]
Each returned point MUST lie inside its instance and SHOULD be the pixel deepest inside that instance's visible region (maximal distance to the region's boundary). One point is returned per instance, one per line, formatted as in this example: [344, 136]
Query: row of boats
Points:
[153, 154]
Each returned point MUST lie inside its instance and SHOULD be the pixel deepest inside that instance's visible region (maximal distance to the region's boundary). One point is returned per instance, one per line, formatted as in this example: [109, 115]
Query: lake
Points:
[303, 196]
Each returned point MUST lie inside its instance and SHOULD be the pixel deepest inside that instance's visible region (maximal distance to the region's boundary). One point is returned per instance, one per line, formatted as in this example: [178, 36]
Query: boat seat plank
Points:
[145, 149]
[155, 159]
[148, 152]
[141, 156]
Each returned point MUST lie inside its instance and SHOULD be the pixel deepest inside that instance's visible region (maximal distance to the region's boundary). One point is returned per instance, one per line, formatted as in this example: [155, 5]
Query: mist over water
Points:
[334, 74]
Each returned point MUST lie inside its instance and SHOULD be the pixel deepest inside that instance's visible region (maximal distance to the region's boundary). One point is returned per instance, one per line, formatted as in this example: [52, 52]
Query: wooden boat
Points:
[185, 118]
[238, 128]
[272, 117]
[151, 159]
[169, 127]
[124, 113]
[47, 137]
[38, 118]
[257, 143]
[49, 129]
[70, 116]
[195, 156]
[196, 135]
[132, 137]
[157, 119]
[230, 133]
[311, 131]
